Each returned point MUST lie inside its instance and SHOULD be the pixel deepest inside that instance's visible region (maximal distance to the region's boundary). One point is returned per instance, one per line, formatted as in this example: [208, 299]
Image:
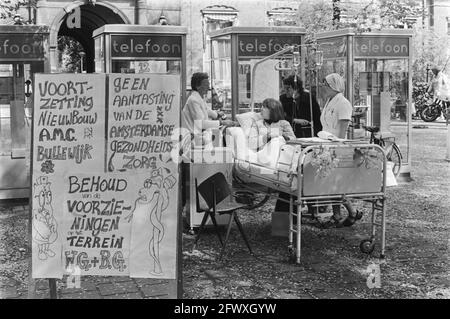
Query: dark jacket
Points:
[302, 111]
[288, 107]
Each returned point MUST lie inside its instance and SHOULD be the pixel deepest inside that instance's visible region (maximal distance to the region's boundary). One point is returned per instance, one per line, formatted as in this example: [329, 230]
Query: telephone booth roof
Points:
[15, 29]
[259, 30]
[139, 29]
[354, 32]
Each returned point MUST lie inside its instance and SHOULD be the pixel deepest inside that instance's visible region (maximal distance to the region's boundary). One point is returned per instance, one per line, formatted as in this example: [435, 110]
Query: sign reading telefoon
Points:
[14, 46]
[145, 46]
[381, 46]
[264, 45]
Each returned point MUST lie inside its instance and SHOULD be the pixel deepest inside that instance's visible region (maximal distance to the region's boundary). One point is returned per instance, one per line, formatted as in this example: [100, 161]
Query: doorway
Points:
[75, 46]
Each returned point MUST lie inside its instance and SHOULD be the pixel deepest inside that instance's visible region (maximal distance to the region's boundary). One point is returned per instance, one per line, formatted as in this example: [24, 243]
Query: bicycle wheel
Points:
[393, 155]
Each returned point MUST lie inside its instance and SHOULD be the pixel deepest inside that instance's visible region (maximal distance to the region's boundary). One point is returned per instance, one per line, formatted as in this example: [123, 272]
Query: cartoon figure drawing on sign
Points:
[146, 216]
[44, 223]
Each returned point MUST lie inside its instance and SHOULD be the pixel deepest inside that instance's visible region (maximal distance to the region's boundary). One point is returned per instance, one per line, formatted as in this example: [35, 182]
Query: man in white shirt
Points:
[196, 116]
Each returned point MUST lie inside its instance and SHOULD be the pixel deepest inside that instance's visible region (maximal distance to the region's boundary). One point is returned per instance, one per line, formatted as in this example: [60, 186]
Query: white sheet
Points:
[267, 156]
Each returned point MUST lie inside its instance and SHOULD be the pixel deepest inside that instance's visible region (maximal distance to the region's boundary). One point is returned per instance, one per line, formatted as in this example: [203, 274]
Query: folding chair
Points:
[219, 200]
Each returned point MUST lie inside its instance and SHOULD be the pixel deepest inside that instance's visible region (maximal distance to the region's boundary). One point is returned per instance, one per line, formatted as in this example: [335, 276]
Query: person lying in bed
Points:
[271, 127]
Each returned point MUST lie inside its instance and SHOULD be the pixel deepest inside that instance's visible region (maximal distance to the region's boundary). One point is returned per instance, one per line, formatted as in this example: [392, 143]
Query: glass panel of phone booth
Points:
[221, 71]
[15, 106]
[99, 54]
[338, 65]
[268, 81]
[381, 96]
[154, 66]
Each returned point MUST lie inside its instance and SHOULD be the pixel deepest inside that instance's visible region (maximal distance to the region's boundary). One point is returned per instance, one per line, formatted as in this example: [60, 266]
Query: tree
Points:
[428, 49]
[315, 16]
[380, 14]
[8, 8]
[323, 15]
[69, 54]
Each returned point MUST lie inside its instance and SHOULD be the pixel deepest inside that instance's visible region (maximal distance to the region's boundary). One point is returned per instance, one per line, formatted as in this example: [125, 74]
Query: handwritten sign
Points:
[120, 224]
[143, 113]
[96, 234]
[68, 130]
[105, 189]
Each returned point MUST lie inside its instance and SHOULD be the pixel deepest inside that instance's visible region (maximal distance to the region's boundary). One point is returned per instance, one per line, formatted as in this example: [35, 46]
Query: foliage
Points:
[420, 96]
[324, 161]
[315, 16]
[8, 8]
[380, 14]
[429, 49]
[69, 54]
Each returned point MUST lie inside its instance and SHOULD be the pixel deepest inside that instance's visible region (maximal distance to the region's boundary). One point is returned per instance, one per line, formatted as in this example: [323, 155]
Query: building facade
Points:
[439, 16]
[199, 16]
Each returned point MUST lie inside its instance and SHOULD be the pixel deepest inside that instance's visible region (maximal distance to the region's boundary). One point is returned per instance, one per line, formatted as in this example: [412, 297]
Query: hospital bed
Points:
[319, 173]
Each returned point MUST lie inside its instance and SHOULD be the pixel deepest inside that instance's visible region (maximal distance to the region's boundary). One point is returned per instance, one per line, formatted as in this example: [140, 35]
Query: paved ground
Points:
[332, 266]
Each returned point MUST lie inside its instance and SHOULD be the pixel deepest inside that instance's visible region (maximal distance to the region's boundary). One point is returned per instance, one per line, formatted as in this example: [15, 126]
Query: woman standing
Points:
[337, 112]
[335, 118]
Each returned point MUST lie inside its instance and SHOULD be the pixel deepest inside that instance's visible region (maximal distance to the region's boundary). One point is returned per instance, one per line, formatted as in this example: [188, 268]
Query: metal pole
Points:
[447, 158]
[52, 285]
[310, 101]
[287, 49]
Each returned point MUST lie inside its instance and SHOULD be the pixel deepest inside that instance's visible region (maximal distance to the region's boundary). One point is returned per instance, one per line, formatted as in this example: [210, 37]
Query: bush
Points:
[420, 96]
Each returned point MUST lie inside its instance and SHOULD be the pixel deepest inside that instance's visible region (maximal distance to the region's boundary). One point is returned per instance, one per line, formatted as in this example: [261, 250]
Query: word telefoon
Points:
[149, 46]
[381, 47]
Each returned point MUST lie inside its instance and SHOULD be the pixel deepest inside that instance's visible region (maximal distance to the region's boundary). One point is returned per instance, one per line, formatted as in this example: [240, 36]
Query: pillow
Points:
[246, 120]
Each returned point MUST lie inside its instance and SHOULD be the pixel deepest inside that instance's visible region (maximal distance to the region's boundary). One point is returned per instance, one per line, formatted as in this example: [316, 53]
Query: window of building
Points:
[214, 18]
[282, 16]
[448, 25]
[431, 12]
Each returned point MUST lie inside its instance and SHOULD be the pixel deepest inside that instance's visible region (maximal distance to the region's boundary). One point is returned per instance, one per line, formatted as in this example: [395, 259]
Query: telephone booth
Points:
[377, 67]
[234, 52]
[124, 48]
[23, 52]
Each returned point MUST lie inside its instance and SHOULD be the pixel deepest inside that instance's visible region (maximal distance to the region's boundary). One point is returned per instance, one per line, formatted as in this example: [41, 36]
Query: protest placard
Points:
[104, 187]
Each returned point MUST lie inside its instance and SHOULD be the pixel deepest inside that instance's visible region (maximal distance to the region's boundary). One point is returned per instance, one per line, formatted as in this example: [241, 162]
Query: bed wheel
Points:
[367, 246]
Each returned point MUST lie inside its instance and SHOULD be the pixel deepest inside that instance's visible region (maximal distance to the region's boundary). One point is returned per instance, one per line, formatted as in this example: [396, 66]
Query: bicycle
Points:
[392, 150]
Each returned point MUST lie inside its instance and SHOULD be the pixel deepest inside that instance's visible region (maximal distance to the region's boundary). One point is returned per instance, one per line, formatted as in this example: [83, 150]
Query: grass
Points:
[417, 252]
